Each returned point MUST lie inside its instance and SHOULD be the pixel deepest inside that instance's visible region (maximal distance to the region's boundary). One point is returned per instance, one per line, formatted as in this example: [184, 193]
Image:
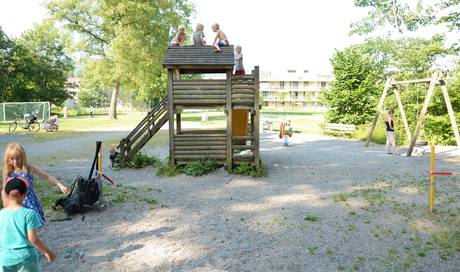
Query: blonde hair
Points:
[215, 26]
[238, 46]
[12, 150]
[199, 27]
[181, 27]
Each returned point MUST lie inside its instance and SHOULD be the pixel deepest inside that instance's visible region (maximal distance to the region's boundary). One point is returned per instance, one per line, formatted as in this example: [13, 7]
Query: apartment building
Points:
[293, 90]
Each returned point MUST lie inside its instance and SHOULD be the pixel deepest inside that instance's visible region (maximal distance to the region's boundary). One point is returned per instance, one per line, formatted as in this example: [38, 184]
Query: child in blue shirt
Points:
[18, 231]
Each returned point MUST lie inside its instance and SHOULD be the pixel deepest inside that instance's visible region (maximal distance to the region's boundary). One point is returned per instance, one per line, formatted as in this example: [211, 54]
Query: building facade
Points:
[293, 90]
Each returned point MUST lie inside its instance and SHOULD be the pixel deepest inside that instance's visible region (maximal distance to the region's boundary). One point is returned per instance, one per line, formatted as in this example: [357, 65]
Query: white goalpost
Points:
[9, 110]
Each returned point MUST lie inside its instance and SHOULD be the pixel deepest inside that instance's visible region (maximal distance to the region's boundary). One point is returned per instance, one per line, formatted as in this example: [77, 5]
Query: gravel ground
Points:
[326, 205]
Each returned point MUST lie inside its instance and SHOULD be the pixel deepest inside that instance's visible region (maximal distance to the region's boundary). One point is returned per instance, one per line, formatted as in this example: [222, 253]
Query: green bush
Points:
[438, 130]
[140, 160]
[165, 169]
[199, 168]
[249, 170]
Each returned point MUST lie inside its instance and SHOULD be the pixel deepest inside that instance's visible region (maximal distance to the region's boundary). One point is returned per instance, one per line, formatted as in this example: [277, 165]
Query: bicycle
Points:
[30, 123]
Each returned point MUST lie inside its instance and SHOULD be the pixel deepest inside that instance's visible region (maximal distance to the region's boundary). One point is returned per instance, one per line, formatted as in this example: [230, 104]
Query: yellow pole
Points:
[99, 161]
[432, 179]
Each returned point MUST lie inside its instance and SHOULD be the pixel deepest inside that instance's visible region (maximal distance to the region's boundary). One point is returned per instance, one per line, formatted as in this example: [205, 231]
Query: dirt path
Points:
[326, 205]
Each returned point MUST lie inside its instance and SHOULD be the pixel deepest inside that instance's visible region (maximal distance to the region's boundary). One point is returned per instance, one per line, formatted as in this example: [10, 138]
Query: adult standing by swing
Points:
[391, 137]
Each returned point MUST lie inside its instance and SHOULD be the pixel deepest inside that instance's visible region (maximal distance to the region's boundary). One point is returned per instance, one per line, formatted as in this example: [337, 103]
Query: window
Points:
[282, 85]
[323, 84]
[294, 85]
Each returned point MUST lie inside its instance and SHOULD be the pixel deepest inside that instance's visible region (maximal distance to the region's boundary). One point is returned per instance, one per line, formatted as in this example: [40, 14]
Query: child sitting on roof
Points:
[220, 39]
[180, 37]
[239, 68]
[198, 35]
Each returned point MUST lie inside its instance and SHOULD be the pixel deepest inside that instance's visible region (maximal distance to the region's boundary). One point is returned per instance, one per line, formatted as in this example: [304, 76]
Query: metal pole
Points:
[432, 178]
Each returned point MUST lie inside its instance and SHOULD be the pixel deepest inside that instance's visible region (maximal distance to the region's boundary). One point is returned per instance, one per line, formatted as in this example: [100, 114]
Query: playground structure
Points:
[436, 78]
[237, 96]
[432, 174]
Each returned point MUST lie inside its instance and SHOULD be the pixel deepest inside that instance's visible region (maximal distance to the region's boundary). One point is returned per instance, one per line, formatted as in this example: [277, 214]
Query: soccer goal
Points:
[9, 110]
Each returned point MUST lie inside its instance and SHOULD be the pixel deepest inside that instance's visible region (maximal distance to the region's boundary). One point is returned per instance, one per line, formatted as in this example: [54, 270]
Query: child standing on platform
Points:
[15, 165]
[220, 39]
[18, 231]
[198, 35]
[180, 37]
[239, 68]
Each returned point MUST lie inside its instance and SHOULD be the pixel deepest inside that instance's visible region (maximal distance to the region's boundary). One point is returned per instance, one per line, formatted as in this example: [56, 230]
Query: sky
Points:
[276, 35]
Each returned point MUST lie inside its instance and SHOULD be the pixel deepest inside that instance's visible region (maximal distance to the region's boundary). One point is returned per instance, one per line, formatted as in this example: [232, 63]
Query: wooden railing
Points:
[145, 130]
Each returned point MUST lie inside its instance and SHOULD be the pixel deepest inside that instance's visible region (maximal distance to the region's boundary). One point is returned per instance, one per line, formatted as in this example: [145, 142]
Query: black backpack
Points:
[87, 191]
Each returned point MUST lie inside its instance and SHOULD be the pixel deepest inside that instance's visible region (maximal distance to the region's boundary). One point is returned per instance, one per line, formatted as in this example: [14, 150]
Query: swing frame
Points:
[390, 84]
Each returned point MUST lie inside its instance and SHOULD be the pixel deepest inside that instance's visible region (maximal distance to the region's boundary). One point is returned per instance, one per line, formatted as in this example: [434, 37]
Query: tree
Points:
[401, 17]
[352, 95]
[124, 40]
[34, 67]
[93, 98]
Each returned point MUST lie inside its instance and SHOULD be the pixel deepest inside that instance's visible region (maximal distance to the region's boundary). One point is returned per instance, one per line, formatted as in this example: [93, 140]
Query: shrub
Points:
[438, 130]
[199, 168]
[249, 170]
[140, 160]
[165, 169]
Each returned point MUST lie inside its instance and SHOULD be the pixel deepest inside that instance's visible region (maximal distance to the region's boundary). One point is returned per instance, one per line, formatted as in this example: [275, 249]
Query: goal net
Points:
[9, 110]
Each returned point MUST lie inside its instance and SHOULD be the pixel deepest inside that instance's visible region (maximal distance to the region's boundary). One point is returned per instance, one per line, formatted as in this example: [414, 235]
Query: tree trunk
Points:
[113, 100]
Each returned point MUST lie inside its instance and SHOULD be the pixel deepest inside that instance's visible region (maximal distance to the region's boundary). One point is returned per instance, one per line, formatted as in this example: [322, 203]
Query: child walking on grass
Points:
[18, 231]
[198, 35]
[220, 39]
[15, 165]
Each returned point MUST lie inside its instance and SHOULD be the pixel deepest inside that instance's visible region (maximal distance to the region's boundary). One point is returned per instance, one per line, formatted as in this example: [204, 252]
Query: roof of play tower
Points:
[199, 59]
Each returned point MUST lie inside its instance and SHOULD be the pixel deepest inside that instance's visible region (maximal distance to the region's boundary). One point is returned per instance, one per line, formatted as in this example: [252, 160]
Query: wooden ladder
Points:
[145, 130]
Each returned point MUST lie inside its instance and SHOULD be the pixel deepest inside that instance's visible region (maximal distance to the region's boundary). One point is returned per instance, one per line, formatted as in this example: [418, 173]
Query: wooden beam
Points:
[229, 121]
[256, 119]
[171, 117]
[453, 122]
[427, 80]
[178, 123]
[379, 109]
[403, 114]
[421, 117]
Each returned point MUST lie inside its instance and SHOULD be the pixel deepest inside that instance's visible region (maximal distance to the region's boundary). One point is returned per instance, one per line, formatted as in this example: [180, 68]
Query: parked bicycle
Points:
[30, 122]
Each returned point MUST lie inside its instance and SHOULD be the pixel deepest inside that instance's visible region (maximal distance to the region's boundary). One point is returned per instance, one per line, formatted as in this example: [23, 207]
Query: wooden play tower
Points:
[237, 96]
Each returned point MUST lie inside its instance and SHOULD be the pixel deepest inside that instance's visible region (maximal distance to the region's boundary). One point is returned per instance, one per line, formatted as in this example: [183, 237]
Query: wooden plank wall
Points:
[199, 92]
[198, 145]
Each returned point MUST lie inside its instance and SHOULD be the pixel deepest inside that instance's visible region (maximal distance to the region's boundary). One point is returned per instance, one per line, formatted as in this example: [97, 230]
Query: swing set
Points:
[391, 84]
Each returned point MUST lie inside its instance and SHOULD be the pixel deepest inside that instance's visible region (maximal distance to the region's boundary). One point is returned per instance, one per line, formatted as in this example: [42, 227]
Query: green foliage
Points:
[396, 14]
[124, 41]
[199, 168]
[140, 160]
[249, 170]
[311, 218]
[353, 93]
[438, 130]
[35, 66]
[165, 169]
[93, 98]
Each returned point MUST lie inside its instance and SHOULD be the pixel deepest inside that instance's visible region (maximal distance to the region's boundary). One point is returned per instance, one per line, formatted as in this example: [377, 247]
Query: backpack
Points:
[88, 191]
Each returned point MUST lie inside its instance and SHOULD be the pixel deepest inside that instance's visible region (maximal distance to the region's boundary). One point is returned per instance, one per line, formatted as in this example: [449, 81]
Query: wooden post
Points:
[403, 114]
[379, 109]
[453, 122]
[256, 117]
[229, 121]
[421, 117]
[171, 117]
[432, 178]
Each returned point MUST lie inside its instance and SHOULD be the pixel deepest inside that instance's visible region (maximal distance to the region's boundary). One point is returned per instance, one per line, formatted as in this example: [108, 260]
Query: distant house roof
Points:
[199, 59]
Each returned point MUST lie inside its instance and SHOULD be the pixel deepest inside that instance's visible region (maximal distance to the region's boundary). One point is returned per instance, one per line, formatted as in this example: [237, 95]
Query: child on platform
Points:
[239, 68]
[198, 35]
[15, 165]
[180, 37]
[18, 231]
[220, 39]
